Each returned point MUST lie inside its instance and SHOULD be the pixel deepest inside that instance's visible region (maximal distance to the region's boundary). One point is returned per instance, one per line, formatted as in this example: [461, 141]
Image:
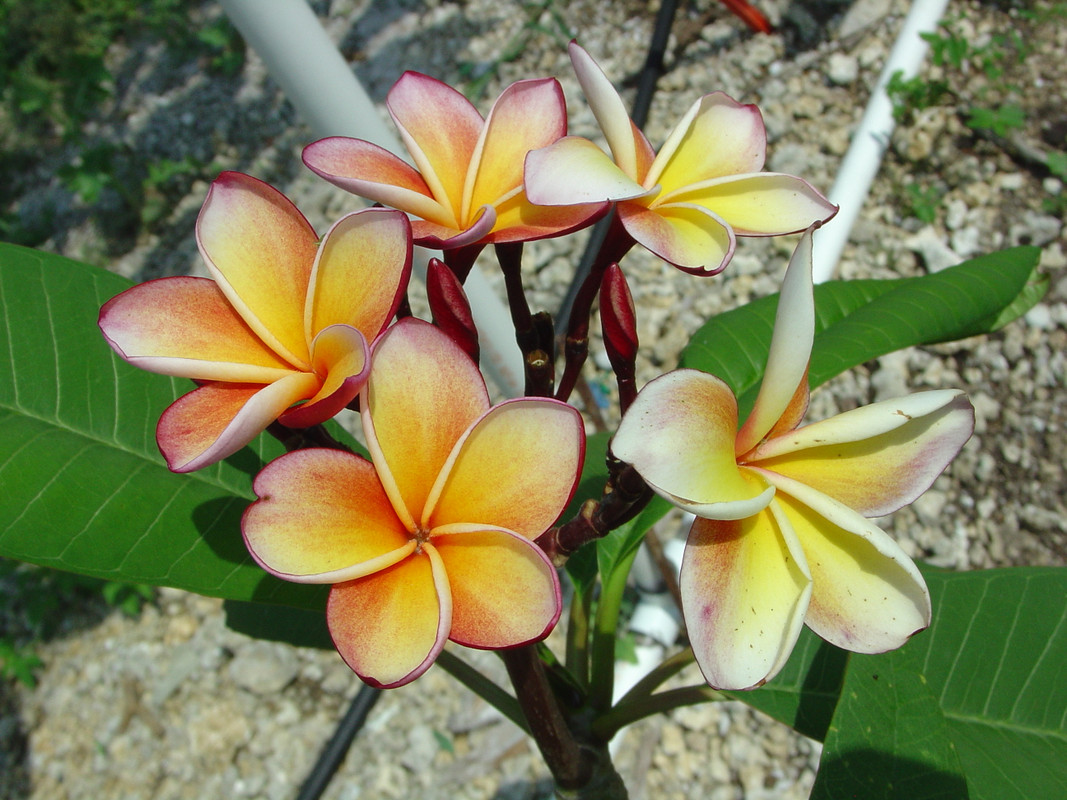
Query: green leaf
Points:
[85, 489]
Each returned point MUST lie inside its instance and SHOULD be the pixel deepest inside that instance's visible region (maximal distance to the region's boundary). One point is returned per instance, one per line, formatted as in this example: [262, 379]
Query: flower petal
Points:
[867, 595]
[390, 626]
[422, 395]
[629, 147]
[360, 273]
[260, 249]
[690, 237]
[341, 358]
[218, 419]
[370, 171]
[877, 458]
[519, 220]
[322, 517]
[439, 237]
[574, 170]
[745, 588]
[762, 204]
[440, 129]
[787, 361]
[717, 137]
[529, 451]
[505, 591]
[679, 436]
[186, 327]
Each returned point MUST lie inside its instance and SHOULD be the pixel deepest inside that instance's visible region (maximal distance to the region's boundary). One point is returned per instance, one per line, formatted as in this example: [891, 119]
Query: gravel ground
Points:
[172, 704]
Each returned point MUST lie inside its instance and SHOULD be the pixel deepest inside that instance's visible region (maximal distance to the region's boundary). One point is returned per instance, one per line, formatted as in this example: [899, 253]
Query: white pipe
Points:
[308, 67]
[871, 138]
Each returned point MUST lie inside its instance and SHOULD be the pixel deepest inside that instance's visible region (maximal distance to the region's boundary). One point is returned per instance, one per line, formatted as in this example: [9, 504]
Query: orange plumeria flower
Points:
[432, 539]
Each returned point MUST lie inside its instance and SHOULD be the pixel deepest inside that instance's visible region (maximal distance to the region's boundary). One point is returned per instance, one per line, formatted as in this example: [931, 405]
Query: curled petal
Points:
[530, 452]
[692, 238]
[390, 626]
[877, 458]
[679, 436]
[322, 517]
[370, 171]
[574, 170]
[186, 327]
[787, 362]
[867, 595]
[360, 273]
[260, 250]
[717, 137]
[440, 129]
[762, 204]
[519, 220]
[341, 358]
[439, 237]
[422, 395]
[505, 591]
[218, 419]
[745, 588]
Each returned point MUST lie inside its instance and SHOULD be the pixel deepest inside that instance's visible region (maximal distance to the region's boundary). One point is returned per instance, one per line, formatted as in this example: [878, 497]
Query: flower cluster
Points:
[439, 532]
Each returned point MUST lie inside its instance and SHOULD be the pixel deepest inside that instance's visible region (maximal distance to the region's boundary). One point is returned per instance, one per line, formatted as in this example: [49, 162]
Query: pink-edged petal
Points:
[528, 114]
[260, 250]
[530, 451]
[629, 147]
[717, 137]
[745, 589]
[574, 170]
[439, 237]
[422, 395]
[186, 327]
[322, 517]
[390, 626]
[679, 436]
[690, 237]
[518, 220]
[341, 358]
[505, 591]
[762, 204]
[867, 595]
[787, 362]
[440, 129]
[218, 419]
[370, 171]
[877, 458]
[360, 273]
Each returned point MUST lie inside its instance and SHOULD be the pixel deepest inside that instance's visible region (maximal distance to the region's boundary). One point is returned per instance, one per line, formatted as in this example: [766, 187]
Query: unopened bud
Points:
[450, 308]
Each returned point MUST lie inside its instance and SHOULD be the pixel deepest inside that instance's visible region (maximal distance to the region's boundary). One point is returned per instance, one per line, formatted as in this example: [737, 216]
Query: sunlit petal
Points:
[390, 626]
[867, 596]
[186, 327]
[745, 589]
[440, 129]
[688, 236]
[360, 273]
[876, 458]
[373, 172]
[218, 419]
[574, 170]
[439, 237]
[322, 517]
[787, 362]
[505, 591]
[260, 250]
[717, 137]
[679, 436]
[422, 395]
[529, 451]
[762, 204]
[341, 359]
[518, 220]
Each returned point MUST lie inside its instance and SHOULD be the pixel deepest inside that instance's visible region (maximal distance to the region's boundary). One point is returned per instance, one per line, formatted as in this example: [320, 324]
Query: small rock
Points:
[264, 667]
[931, 247]
[842, 69]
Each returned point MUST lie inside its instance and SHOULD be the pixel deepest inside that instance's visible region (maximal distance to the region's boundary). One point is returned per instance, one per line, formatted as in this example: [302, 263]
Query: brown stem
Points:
[536, 355]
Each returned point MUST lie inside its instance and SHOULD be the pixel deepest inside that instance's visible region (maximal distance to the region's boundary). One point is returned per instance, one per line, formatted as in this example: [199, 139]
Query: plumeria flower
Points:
[282, 331]
[432, 539]
[688, 202]
[781, 536]
[466, 187]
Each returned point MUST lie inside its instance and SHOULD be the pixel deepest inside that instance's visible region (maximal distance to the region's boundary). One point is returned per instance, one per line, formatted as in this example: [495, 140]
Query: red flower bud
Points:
[450, 308]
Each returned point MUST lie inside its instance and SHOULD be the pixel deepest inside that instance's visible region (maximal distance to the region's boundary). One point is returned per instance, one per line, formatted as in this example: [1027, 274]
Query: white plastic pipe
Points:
[869, 142]
[309, 68]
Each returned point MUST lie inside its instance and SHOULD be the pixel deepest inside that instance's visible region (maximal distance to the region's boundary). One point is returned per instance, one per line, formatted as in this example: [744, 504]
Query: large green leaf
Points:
[84, 486]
